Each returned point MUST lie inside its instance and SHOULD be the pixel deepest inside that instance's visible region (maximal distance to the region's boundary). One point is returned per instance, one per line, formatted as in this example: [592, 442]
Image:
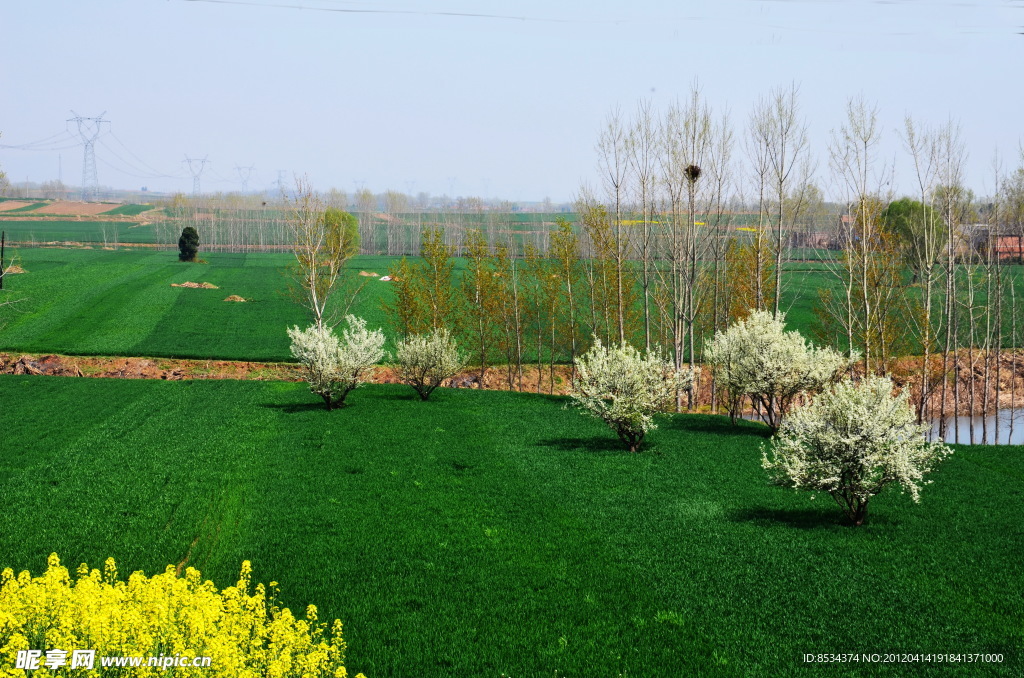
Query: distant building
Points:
[1006, 247]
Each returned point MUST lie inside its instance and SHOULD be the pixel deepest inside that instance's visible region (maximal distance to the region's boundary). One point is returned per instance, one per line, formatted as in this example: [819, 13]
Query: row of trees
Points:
[659, 256]
[924, 275]
[390, 224]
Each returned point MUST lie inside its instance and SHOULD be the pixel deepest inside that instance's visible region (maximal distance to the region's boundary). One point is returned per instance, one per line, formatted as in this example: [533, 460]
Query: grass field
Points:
[88, 302]
[97, 232]
[453, 540]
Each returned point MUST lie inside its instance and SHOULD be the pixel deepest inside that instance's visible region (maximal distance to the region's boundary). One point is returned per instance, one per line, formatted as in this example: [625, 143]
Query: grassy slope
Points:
[454, 540]
[121, 303]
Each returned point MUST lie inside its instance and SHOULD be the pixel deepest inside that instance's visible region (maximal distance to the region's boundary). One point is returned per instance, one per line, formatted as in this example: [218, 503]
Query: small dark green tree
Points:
[188, 244]
[920, 232]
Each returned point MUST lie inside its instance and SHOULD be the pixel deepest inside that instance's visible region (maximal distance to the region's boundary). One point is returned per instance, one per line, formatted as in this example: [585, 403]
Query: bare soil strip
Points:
[495, 378]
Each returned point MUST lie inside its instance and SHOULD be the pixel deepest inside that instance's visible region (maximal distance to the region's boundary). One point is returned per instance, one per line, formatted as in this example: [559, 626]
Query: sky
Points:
[497, 99]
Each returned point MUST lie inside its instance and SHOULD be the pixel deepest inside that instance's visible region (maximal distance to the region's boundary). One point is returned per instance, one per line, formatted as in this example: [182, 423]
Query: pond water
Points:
[1005, 437]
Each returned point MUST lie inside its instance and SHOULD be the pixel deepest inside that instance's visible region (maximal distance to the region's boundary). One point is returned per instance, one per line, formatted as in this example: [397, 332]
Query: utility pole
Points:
[89, 129]
[195, 168]
[243, 174]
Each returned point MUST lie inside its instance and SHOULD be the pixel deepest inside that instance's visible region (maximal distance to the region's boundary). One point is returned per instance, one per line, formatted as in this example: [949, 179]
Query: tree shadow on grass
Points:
[297, 407]
[805, 519]
[718, 425]
[602, 445]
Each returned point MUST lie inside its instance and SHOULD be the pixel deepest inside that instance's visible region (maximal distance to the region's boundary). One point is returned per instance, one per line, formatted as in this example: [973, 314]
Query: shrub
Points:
[426, 360]
[624, 388]
[244, 634]
[188, 244]
[756, 357]
[333, 367]
[852, 441]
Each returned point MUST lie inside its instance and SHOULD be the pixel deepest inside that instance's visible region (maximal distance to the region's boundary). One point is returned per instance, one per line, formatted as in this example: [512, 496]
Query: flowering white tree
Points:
[333, 367]
[852, 441]
[625, 388]
[758, 358]
[426, 360]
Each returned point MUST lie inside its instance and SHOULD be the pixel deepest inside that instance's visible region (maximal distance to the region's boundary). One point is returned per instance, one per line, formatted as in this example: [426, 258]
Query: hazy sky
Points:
[419, 96]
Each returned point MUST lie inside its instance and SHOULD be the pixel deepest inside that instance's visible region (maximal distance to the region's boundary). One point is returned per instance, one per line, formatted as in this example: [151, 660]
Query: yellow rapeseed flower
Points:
[246, 635]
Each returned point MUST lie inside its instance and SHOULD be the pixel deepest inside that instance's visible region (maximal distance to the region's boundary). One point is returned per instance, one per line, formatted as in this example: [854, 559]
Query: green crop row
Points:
[129, 210]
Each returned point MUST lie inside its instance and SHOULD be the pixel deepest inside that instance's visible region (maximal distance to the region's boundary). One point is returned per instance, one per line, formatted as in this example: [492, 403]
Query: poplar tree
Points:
[480, 299]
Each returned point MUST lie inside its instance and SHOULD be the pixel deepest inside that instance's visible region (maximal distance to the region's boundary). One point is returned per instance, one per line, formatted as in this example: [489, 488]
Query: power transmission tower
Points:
[89, 129]
[244, 173]
[195, 168]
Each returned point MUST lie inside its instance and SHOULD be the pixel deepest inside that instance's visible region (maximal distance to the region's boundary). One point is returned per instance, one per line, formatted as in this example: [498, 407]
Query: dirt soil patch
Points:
[14, 269]
[14, 204]
[197, 286]
[145, 368]
[68, 207]
[235, 297]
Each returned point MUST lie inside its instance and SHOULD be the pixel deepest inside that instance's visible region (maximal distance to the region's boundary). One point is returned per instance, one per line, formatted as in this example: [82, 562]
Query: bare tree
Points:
[759, 134]
[950, 160]
[4, 184]
[321, 243]
[613, 161]
[923, 148]
[687, 139]
[642, 146]
[782, 137]
[869, 268]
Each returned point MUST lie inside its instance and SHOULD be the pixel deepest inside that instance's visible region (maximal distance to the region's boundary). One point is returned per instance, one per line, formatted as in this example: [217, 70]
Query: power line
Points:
[136, 171]
[413, 12]
[121, 171]
[220, 178]
[156, 172]
[47, 144]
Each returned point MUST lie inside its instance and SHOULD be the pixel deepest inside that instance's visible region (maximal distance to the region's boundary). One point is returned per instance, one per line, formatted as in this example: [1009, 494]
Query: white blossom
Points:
[624, 388]
[333, 367]
[758, 358]
[852, 441]
[425, 361]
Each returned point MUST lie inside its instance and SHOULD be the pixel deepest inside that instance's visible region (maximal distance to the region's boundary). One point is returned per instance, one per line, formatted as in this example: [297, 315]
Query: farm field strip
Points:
[453, 540]
[62, 230]
[93, 302]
